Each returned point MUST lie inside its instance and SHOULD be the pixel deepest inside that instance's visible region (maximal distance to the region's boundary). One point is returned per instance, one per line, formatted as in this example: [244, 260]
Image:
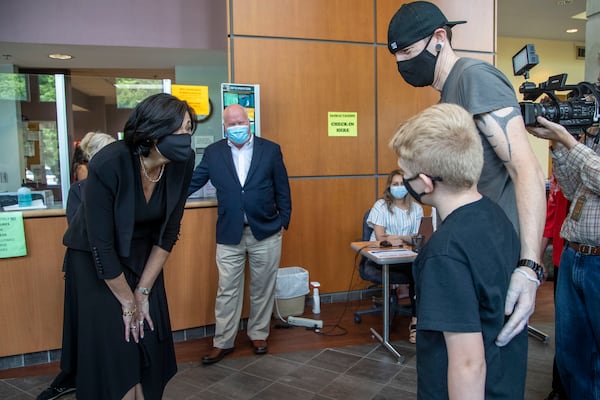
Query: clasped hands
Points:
[134, 317]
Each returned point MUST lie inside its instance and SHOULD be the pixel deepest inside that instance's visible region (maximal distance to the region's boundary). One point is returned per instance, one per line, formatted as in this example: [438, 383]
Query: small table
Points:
[385, 256]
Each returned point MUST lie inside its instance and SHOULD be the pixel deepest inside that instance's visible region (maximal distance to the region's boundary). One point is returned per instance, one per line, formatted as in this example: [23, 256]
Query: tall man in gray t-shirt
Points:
[419, 36]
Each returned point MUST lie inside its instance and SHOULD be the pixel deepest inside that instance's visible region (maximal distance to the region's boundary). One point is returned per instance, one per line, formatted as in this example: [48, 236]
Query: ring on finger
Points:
[133, 327]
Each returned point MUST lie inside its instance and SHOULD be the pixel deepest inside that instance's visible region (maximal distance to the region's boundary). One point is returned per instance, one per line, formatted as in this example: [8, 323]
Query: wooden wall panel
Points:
[478, 34]
[191, 274]
[396, 102]
[326, 217]
[31, 290]
[300, 82]
[346, 20]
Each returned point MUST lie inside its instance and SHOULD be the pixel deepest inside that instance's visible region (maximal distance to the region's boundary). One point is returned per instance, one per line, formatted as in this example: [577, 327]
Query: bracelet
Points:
[143, 290]
[529, 278]
[537, 268]
[129, 313]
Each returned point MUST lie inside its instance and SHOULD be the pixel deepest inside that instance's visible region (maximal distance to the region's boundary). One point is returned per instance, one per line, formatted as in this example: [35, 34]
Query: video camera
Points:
[579, 111]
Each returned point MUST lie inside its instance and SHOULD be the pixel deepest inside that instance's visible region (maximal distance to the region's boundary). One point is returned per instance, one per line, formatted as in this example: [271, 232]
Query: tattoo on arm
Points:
[495, 119]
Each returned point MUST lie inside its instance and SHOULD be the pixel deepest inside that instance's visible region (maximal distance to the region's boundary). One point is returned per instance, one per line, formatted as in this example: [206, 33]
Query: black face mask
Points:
[419, 71]
[412, 192]
[176, 148]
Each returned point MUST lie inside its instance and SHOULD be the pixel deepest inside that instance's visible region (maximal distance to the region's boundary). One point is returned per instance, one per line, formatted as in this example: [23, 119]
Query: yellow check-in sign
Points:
[342, 123]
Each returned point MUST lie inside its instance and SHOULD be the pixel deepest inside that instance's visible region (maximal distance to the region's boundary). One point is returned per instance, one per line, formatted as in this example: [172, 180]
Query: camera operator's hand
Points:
[552, 131]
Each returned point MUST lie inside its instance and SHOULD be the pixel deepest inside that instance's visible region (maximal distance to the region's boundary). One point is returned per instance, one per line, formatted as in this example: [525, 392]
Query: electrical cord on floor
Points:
[337, 325]
[279, 313]
[328, 329]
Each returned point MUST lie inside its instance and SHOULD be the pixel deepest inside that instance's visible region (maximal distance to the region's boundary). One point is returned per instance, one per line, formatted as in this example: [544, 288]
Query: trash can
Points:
[290, 292]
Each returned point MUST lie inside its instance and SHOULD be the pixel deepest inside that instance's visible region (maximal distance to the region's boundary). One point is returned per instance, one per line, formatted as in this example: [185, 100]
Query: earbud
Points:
[438, 47]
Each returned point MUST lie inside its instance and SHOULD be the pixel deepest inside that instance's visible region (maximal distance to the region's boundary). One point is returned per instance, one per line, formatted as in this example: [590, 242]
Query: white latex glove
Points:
[520, 302]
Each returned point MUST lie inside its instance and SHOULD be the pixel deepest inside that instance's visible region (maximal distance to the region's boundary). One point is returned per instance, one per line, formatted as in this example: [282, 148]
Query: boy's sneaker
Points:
[54, 392]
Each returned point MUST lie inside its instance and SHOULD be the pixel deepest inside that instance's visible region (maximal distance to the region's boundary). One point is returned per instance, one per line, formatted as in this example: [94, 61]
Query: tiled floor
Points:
[354, 372]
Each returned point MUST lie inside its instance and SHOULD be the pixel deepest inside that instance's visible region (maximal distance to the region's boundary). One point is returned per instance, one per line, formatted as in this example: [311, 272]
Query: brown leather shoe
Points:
[260, 346]
[216, 355]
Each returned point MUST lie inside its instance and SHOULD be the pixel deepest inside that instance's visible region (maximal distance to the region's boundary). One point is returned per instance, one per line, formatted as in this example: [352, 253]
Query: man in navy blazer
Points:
[254, 205]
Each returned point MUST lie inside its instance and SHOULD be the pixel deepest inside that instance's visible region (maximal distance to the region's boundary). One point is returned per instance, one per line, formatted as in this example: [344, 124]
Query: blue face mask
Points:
[399, 192]
[238, 134]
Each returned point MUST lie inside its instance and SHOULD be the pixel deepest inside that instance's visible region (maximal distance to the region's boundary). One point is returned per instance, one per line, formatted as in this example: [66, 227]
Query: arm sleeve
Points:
[377, 215]
[99, 196]
[73, 200]
[282, 189]
[173, 225]
[586, 164]
[580, 165]
[483, 89]
[201, 174]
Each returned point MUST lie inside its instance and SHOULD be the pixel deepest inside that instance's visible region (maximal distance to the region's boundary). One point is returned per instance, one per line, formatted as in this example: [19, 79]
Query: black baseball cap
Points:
[413, 22]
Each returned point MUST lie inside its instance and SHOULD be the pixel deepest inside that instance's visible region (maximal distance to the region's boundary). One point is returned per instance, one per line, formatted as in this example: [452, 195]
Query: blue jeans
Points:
[578, 324]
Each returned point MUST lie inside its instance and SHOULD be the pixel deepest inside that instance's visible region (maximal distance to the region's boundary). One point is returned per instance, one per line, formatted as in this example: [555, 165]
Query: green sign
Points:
[12, 235]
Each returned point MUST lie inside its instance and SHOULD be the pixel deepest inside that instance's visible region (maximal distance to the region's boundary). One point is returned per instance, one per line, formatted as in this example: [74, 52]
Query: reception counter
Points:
[31, 288]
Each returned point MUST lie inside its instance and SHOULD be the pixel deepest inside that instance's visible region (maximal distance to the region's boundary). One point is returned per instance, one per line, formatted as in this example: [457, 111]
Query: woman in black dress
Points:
[117, 245]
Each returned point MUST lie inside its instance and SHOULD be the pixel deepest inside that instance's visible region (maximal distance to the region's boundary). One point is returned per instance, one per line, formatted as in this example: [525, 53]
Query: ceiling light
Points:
[572, 30]
[58, 56]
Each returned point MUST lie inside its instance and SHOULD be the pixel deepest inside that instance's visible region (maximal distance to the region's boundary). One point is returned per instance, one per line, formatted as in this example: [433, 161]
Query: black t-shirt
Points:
[461, 277]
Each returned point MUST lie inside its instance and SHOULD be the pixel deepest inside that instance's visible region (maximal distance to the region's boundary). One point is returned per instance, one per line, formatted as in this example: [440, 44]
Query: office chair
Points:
[366, 273]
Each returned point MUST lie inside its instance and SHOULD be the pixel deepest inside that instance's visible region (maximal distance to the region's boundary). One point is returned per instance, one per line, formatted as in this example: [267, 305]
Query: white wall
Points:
[192, 24]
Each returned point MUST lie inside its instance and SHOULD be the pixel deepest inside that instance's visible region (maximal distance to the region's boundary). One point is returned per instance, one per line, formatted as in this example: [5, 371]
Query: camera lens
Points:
[531, 111]
[566, 113]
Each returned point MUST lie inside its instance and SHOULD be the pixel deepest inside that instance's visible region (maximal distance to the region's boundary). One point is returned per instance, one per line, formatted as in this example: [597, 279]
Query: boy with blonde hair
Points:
[463, 272]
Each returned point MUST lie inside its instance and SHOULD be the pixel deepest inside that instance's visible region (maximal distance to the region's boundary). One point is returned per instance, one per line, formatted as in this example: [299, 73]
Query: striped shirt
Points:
[578, 174]
[400, 222]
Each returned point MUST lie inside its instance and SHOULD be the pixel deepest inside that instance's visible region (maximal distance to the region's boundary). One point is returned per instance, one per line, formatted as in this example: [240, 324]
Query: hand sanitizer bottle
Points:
[316, 299]
[24, 196]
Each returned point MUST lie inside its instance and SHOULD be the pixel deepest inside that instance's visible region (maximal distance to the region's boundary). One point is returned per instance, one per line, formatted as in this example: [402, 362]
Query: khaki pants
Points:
[263, 259]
